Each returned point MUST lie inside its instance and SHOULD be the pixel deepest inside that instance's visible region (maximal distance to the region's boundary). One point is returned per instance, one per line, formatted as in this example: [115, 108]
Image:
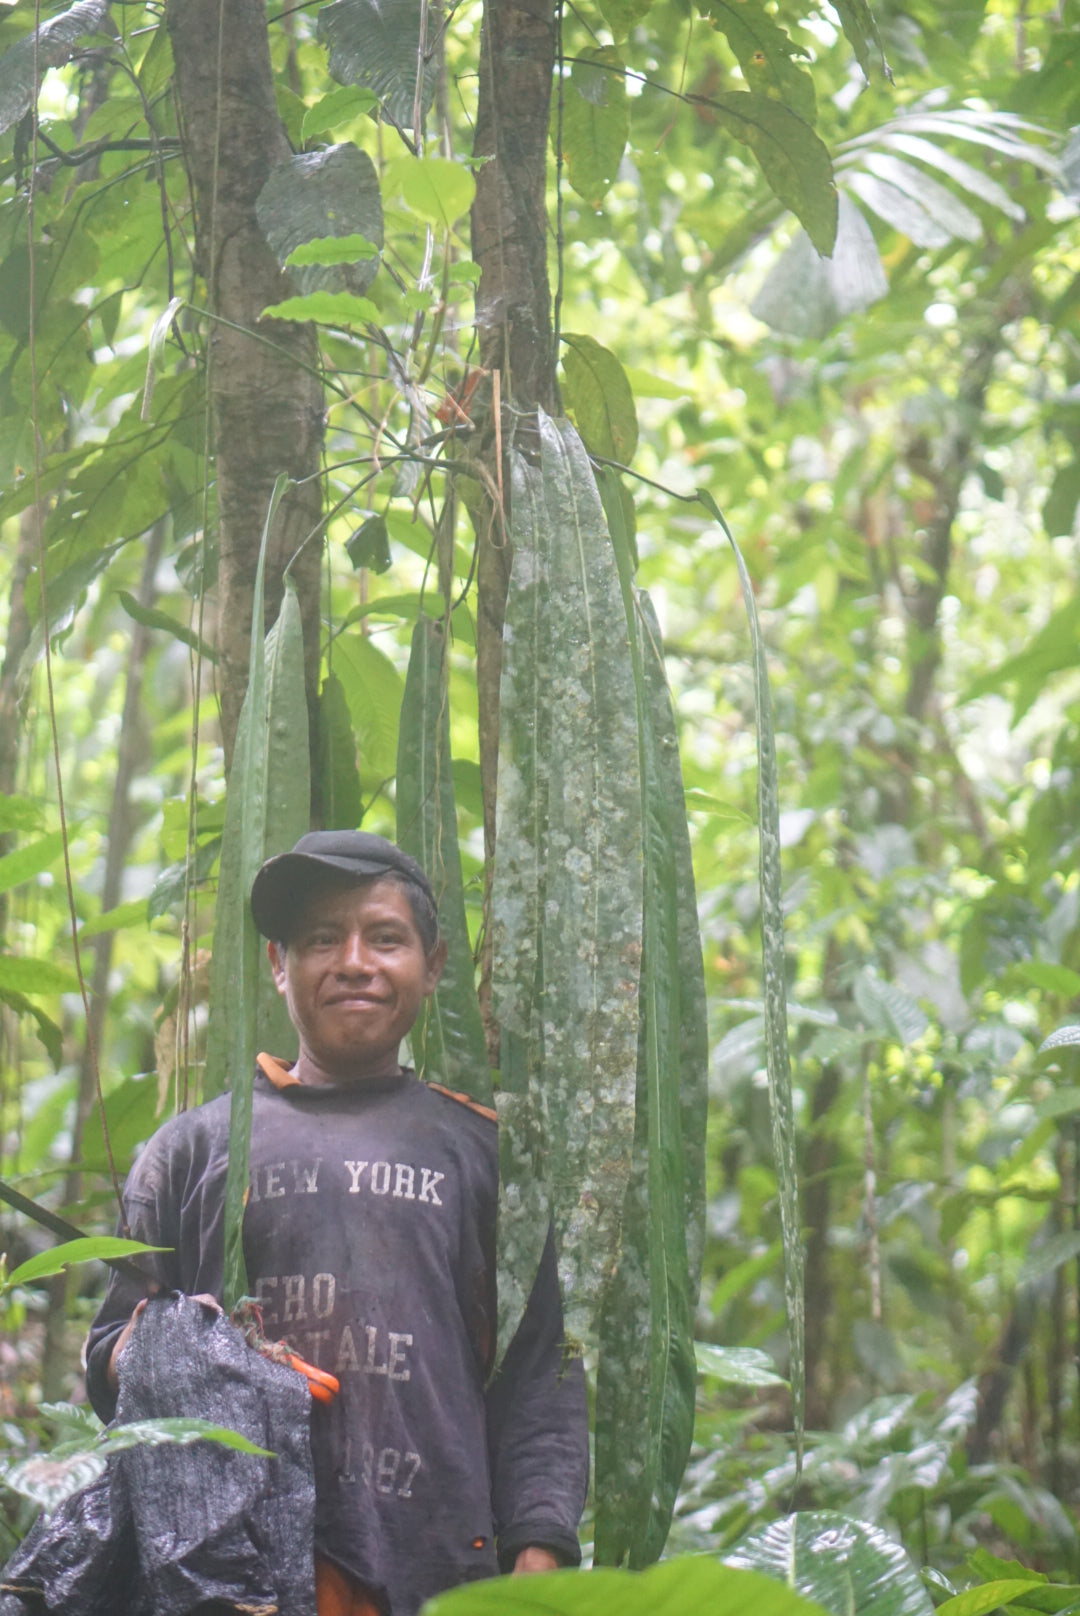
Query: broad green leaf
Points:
[644, 384]
[36, 976]
[131, 1116]
[48, 1031]
[595, 123]
[171, 883]
[448, 1040]
[46, 1479]
[376, 44]
[777, 1054]
[692, 1585]
[623, 15]
[19, 814]
[848, 1566]
[56, 40]
[156, 67]
[153, 617]
[806, 295]
[1060, 1248]
[331, 250]
[857, 21]
[369, 546]
[437, 189]
[373, 689]
[313, 196]
[1063, 1038]
[1059, 509]
[1051, 978]
[991, 1596]
[646, 1346]
[325, 308]
[340, 106]
[887, 1010]
[598, 395]
[97, 1248]
[738, 1366]
[765, 53]
[1062, 1103]
[27, 862]
[339, 781]
[793, 159]
[1054, 647]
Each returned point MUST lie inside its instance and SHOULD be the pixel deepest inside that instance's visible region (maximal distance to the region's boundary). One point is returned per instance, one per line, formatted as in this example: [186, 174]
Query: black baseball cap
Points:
[283, 882]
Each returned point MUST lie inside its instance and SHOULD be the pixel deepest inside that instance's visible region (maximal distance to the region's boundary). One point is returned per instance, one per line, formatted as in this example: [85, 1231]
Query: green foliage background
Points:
[892, 436]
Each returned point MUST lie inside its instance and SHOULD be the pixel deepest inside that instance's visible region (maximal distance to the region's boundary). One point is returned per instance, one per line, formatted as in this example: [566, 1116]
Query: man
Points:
[369, 1240]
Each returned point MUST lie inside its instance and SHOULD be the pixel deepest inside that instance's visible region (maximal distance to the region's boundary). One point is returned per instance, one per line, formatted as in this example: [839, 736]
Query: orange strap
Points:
[337, 1595]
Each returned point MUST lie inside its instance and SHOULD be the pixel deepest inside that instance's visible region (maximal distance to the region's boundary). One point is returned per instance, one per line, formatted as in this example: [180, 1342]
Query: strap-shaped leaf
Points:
[777, 1054]
[266, 810]
[647, 1347]
[339, 780]
[376, 44]
[56, 39]
[567, 911]
[858, 23]
[517, 900]
[448, 1040]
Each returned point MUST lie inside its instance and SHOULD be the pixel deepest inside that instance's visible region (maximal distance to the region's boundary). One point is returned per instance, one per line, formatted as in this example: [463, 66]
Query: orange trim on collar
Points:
[277, 1072]
[463, 1099]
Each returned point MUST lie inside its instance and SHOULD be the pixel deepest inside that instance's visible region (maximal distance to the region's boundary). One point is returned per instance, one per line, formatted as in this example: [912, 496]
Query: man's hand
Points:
[535, 1560]
[125, 1334]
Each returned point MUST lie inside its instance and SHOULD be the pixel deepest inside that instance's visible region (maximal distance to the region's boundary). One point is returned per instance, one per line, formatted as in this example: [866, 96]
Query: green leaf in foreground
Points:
[737, 1366]
[598, 393]
[436, 188]
[765, 54]
[94, 1248]
[777, 1054]
[36, 976]
[27, 862]
[991, 1596]
[694, 1585]
[595, 123]
[846, 1565]
[325, 308]
[794, 159]
[331, 250]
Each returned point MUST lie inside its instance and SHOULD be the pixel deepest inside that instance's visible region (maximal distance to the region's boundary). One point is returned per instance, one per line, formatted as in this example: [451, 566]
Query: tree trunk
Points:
[513, 322]
[130, 748]
[267, 410]
[19, 629]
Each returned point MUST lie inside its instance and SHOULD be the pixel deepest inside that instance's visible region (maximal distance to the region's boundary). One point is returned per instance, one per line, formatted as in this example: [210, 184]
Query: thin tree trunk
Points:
[267, 409]
[19, 630]
[513, 322]
[130, 749]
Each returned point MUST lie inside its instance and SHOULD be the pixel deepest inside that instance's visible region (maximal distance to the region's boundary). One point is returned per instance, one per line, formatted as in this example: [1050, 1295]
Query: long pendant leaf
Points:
[517, 903]
[231, 1041]
[646, 1346]
[448, 1040]
[777, 1057]
[592, 913]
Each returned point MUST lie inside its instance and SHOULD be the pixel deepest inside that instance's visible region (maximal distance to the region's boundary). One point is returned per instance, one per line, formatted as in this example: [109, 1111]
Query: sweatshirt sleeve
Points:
[538, 1432]
[149, 1219]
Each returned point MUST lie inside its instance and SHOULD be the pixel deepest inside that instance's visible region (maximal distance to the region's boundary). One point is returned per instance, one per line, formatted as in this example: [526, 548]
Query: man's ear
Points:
[276, 955]
[436, 963]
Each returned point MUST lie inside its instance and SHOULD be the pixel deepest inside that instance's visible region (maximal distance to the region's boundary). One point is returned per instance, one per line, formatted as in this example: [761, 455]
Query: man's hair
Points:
[424, 912]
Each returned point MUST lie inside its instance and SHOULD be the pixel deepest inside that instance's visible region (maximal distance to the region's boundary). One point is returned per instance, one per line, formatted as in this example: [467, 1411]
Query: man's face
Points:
[354, 976]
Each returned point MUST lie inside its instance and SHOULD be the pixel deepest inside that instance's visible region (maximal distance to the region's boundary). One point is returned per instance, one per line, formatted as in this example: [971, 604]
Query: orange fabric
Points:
[279, 1075]
[337, 1595]
[463, 1099]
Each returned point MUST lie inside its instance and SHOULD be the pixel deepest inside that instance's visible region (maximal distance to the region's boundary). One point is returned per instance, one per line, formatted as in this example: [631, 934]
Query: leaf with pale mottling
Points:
[777, 1053]
[56, 40]
[376, 44]
[313, 196]
[846, 1565]
[448, 1039]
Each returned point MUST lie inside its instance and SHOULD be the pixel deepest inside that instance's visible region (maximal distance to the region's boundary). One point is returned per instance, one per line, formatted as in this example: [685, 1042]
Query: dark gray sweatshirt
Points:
[369, 1241]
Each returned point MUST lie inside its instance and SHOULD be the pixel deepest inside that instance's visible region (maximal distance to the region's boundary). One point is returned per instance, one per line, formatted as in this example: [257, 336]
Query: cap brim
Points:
[278, 891]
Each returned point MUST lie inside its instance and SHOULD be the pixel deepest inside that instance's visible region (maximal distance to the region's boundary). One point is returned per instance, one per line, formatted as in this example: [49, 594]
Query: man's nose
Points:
[354, 956]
